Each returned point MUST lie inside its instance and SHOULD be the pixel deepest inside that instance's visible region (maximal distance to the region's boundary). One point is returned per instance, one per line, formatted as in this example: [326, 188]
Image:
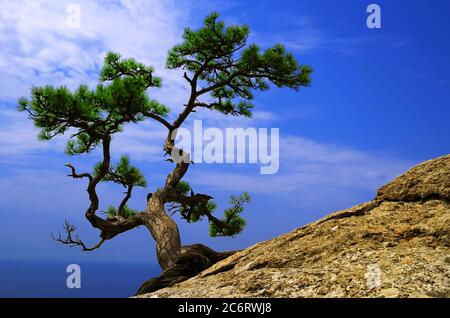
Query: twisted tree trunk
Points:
[178, 262]
[164, 231]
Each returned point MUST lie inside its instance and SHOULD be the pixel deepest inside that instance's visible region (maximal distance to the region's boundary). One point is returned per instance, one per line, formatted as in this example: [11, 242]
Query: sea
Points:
[47, 279]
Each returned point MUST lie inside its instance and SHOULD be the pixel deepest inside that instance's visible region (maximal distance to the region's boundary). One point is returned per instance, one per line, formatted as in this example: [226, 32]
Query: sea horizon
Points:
[47, 278]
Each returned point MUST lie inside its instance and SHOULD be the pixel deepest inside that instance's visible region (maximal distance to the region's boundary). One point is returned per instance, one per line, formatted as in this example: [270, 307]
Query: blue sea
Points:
[48, 279]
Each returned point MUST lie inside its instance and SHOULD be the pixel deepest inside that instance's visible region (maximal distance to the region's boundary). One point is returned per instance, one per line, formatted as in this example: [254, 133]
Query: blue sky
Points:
[379, 103]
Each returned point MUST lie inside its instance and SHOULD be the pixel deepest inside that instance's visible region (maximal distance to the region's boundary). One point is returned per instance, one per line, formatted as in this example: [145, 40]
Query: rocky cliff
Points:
[396, 245]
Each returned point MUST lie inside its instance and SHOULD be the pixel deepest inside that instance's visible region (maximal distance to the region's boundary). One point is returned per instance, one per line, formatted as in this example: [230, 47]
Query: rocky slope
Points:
[396, 245]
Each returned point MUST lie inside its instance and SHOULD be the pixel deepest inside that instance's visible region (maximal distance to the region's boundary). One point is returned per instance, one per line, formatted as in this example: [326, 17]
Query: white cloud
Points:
[39, 47]
[308, 35]
[19, 137]
[308, 167]
[303, 162]
[142, 142]
[263, 115]
[28, 188]
[19, 142]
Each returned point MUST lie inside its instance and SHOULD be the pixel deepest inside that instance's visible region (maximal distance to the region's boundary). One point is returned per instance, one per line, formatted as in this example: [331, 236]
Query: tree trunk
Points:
[178, 263]
[164, 231]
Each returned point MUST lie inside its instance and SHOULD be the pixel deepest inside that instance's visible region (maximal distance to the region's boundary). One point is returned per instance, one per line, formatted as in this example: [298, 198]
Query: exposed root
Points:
[193, 260]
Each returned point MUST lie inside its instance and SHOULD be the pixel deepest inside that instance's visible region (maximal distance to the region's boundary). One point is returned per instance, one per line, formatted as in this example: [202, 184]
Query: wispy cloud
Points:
[18, 136]
[28, 187]
[142, 142]
[400, 43]
[305, 165]
[19, 142]
[307, 35]
[39, 47]
[309, 38]
[311, 168]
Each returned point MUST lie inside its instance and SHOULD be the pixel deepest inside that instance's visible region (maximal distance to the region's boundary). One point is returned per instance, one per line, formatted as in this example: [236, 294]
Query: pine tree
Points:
[223, 72]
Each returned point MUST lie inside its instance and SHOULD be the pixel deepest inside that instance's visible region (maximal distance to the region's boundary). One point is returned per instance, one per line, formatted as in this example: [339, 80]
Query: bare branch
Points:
[108, 229]
[75, 175]
[71, 241]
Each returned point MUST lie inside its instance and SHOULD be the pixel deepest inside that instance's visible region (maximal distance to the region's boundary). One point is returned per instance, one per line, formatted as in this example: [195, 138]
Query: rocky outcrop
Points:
[394, 246]
[429, 180]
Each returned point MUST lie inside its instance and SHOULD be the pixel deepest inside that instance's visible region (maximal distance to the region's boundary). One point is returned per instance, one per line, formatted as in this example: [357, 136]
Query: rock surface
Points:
[396, 245]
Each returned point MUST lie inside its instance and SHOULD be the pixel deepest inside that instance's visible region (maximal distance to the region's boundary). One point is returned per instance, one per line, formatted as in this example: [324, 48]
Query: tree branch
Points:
[125, 200]
[194, 94]
[187, 78]
[69, 240]
[75, 175]
[196, 199]
[159, 119]
[108, 229]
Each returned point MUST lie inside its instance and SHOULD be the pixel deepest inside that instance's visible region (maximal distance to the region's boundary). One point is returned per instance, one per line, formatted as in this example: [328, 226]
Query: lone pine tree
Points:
[222, 71]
